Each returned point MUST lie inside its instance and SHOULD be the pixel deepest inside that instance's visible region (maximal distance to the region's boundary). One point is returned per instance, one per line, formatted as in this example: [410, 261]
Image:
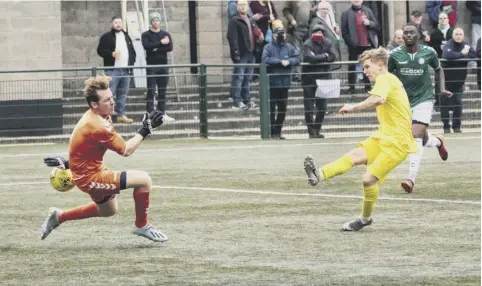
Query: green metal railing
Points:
[201, 105]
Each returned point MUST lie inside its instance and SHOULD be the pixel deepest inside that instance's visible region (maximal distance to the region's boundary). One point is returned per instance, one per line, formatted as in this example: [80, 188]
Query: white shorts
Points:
[422, 112]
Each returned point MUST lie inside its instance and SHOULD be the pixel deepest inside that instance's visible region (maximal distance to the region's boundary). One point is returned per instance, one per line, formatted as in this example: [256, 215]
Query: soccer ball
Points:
[61, 179]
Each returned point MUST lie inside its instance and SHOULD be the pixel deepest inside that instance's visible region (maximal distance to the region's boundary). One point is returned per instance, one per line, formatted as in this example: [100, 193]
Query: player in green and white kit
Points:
[410, 63]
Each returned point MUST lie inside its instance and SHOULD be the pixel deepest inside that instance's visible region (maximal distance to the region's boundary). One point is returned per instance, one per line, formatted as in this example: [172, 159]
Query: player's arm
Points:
[149, 122]
[439, 75]
[378, 96]
[371, 102]
[113, 141]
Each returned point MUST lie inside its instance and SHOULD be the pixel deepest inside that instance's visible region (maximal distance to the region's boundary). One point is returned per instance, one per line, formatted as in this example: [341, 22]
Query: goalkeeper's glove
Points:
[57, 161]
[150, 122]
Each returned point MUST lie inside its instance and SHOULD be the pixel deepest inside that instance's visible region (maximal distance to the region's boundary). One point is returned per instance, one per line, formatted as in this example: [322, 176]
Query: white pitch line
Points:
[267, 192]
[274, 193]
[226, 147]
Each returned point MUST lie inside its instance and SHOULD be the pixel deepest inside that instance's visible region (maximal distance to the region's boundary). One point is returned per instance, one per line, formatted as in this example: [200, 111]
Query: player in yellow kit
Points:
[382, 151]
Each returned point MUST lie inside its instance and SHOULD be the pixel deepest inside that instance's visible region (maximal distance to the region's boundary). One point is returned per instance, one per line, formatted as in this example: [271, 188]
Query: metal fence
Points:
[44, 105]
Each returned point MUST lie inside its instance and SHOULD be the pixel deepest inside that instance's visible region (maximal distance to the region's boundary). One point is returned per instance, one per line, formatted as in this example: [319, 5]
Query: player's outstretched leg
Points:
[370, 196]
[142, 184]
[57, 216]
[51, 222]
[340, 166]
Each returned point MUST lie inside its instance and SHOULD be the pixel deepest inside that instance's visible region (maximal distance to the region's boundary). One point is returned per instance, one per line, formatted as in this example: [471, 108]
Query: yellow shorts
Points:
[382, 157]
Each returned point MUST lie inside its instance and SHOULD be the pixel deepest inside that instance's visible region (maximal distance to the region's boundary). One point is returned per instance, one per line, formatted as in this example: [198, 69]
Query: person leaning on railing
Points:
[318, 49]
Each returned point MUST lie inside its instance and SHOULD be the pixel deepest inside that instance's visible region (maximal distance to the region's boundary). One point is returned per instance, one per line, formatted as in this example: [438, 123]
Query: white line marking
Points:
[331, 143]
[27, 144]
[267, 192]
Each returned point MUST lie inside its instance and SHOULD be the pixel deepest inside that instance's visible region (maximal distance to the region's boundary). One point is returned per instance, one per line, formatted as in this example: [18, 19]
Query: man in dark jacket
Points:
[157, 44]
[455, 49]
[478, 63]
[359, 29]
[116, 48]
[474, 7]
[280, 58]
[243, 35]
[318, 49]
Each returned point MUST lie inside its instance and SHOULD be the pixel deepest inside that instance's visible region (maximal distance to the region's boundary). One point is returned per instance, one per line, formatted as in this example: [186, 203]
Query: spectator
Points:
[280, 57]
[442, 34]
[242, 37]
[325, 11]
[397, 40]
[417, 21]
[324, 18]
[116, 48]
[318, 49]
[264, 14]
[157, 44]
[478, 63]
[434, 7]
[456, 74]
[359, 30]
[233, 9]
[299, 14]
[474, 7]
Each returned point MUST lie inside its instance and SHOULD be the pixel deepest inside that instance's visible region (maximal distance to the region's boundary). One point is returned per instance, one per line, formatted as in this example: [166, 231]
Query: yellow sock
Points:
[370, 196]
[337, 167]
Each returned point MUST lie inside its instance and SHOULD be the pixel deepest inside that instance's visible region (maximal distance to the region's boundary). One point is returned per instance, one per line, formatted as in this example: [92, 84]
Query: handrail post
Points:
[264, 102]
[203, 104]
[94, 71]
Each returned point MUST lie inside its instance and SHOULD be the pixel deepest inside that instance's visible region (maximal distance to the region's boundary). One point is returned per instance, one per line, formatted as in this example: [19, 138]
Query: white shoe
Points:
[51, 222]
[166, 118]
[151, 233]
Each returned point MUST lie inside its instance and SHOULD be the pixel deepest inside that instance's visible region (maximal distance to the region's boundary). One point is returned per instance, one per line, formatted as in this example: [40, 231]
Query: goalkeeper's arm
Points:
[149, 122]
[57, 161]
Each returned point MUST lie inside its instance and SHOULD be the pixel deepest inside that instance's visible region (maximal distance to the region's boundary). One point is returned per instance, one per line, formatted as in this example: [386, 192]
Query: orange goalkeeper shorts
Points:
[103, 186]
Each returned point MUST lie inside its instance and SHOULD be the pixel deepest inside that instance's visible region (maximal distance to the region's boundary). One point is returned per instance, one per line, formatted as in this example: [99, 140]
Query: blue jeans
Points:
[119, 87]
[241, 80]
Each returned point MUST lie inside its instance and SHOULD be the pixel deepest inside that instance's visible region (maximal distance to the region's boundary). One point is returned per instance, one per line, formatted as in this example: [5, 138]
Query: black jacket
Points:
[238, 37]
[107, 46]
[437, 38]
[474, 7]
[156, 52]
[316, 53]
[456, 71]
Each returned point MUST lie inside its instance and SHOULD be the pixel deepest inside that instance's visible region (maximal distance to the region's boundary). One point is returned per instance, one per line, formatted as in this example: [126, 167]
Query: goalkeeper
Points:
[92, 137]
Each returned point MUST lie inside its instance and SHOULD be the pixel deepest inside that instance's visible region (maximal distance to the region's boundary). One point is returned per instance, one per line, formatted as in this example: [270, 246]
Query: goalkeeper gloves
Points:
[57, 161]
[150, 122]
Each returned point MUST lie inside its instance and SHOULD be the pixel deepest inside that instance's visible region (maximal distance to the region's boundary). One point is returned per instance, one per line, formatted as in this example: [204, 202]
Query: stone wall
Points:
[30, 39]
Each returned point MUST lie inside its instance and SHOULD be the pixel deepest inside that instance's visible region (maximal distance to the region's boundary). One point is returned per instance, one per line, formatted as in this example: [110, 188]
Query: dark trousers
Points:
[278, 106]
[455, 104]
[353, 54]
[314, 107]
[159, 77]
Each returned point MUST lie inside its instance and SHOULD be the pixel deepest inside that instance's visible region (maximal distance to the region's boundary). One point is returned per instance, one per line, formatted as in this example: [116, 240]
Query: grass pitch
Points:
[241, 213]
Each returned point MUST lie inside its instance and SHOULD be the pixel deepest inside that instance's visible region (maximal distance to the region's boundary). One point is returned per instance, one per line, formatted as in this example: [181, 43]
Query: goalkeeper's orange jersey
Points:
[91, 138]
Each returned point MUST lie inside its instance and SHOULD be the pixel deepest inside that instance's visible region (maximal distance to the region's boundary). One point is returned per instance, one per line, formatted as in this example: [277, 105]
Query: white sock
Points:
[432, 141]
[365, 220]
[415, 160]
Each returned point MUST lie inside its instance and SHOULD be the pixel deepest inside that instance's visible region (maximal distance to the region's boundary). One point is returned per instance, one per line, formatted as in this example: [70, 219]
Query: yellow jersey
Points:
[395, 115]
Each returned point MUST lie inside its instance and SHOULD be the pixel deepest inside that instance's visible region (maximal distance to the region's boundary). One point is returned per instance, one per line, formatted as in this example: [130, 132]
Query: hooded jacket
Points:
[316, 53]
